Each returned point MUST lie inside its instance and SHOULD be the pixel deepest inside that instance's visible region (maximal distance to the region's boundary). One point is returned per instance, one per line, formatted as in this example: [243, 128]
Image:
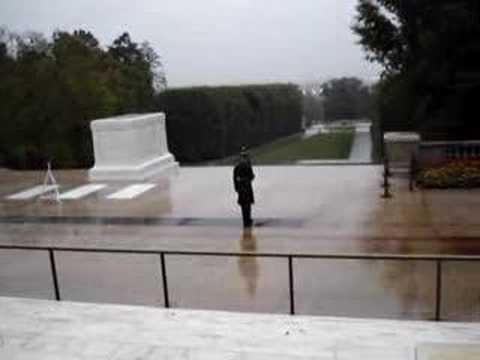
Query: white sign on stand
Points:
[50, 186]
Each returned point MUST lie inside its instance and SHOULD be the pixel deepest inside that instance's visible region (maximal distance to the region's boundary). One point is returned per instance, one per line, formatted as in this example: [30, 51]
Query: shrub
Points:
[454, 174]
[205, 123]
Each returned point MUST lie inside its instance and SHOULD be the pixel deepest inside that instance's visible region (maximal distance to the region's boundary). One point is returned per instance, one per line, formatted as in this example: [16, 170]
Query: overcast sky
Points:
[210, 42]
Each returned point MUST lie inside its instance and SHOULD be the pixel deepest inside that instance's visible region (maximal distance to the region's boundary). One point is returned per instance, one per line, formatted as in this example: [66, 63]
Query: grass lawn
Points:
[332, 146]
[335, 145]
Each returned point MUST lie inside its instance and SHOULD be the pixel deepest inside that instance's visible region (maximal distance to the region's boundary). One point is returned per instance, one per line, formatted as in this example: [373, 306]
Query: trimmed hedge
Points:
[206, 123]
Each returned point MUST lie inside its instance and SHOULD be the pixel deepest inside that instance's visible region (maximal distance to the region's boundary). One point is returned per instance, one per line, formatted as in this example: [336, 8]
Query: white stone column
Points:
[400, 146]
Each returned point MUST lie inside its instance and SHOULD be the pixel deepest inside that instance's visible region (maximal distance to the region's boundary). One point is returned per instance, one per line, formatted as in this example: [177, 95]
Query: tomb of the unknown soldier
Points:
[130, 147]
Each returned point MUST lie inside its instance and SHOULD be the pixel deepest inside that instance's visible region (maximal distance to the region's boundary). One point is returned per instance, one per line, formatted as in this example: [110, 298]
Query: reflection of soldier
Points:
[248, 265]
[242, 179]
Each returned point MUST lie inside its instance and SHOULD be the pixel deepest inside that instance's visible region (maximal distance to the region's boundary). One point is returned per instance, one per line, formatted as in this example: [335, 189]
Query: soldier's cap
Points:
[243, 151]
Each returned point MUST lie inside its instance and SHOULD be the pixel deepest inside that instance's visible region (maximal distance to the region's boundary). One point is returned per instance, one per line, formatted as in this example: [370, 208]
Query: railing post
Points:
[164, 280]
[386, 183]
[53, 267]
[291, 285]
[413, 172]
[438, 297]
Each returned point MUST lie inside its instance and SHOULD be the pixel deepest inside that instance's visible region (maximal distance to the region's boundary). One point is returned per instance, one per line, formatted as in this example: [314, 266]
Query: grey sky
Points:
[215, 41]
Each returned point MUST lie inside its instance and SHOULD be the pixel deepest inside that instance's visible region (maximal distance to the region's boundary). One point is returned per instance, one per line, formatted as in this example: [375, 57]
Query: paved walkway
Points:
[361, 148]
[41, 330]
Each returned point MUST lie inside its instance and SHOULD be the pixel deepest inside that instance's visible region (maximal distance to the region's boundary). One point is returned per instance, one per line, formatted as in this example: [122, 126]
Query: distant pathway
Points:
[361, 152]
[362, 146]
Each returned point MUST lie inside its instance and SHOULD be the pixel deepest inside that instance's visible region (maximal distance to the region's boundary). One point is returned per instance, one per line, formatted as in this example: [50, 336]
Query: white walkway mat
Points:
[45, 330]
[131, 192]
[33, 192]
[81, 191]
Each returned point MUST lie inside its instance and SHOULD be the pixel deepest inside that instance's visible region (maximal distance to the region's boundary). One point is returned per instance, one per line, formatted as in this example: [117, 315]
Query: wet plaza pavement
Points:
[299, 210]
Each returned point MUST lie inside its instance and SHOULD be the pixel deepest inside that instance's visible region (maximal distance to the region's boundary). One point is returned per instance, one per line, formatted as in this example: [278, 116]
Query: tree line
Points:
[344, 98]
[52, 88]
[347, 98]
[206, 123]
[430, 54]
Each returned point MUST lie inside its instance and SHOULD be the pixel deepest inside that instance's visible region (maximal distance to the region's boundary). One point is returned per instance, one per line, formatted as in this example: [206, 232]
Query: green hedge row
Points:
[205, 123]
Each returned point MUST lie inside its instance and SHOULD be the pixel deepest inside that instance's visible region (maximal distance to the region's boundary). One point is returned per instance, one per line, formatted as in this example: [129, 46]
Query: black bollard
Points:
[386, 165]
[413, 172]
[386, 183]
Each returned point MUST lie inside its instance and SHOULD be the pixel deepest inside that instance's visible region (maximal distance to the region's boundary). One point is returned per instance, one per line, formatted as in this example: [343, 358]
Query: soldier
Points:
[242, 180]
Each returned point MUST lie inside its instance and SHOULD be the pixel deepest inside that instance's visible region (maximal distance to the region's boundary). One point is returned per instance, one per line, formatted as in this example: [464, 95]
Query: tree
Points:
[87, 38]
[346, 98]
[156, 67]
[430, 54]
[140, 69]
[51, 89]
[3, 51]
[125, 50]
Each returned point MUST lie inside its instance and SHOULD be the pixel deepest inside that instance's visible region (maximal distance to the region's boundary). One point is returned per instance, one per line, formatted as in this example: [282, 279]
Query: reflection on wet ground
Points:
[248, 266]
[366, 288]
[307, 210]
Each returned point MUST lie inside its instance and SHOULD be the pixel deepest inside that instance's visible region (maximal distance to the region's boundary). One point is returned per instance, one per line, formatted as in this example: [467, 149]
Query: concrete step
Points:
[41, 330]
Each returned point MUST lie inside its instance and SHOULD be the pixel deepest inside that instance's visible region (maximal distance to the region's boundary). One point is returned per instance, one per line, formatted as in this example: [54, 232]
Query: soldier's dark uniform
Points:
[242, 179]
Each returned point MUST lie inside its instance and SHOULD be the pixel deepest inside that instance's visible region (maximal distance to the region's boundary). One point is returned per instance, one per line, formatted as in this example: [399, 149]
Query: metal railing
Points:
[433, 153]
[463, 151]
[437, 259]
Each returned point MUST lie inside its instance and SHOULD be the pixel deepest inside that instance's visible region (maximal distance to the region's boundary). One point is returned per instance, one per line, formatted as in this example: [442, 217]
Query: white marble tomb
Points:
[131, 147]
[400, 146]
